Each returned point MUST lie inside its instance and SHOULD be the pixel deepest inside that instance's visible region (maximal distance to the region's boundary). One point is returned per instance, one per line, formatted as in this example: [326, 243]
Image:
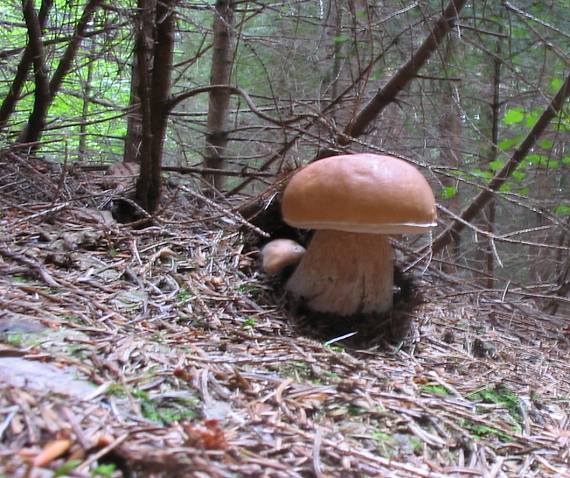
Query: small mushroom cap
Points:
[364, 193]
[280, 253]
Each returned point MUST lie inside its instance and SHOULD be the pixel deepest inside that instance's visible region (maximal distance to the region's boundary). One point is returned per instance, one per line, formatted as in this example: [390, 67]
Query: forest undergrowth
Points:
[163, 351]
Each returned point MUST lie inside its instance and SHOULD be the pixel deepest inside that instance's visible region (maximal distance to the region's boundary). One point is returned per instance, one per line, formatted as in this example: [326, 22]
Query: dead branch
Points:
[501, 176]
[404, 75]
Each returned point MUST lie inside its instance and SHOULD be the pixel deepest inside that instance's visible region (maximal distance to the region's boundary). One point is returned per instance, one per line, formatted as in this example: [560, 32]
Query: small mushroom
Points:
[279, 254]
[354, 202]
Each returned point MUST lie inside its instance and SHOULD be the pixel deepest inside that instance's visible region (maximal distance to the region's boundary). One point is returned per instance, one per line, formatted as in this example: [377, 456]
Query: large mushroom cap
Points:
[365, 193]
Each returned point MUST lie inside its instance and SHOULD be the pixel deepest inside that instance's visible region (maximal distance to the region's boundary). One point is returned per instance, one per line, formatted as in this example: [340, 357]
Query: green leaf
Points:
[541, 160]
[535, 159]
[555, 84]
[448, 192]
[513, 116]
[532, 118]
[562, 210]
[546, 143]
[523, 191]
[565, 160]
[506, 144]
[519, 175]
[339, 39]
[497, 164]
[506, 188]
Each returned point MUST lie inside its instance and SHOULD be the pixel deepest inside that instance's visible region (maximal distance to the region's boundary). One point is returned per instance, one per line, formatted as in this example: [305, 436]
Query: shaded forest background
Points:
[236, 94]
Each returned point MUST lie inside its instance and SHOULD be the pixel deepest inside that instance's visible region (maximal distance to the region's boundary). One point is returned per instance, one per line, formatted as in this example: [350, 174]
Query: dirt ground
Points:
[165, 352]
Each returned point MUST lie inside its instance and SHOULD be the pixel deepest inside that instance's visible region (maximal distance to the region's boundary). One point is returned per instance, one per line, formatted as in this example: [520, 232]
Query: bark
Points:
[154, 95]
[36, 121]
[404, 75]
[490, 212]
[144, 52]
[222, 58]
[9, 103]
[34, 129]
[503, 175]
[450, 132]
[133, 140]
[82, 149]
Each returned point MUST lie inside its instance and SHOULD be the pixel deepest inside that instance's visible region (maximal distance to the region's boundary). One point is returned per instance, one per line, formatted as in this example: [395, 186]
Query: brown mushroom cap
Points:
[280, 253]
[364, 193]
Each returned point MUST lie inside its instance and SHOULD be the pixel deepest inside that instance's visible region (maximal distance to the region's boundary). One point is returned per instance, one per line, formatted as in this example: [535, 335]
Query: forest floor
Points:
[164, 352]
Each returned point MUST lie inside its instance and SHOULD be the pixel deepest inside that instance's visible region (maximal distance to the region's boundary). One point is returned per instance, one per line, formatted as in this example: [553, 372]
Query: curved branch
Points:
[235, 90]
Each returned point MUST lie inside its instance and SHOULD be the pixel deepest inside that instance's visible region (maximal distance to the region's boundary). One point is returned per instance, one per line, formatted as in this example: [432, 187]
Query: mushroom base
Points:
[345, 273]
[365, 330]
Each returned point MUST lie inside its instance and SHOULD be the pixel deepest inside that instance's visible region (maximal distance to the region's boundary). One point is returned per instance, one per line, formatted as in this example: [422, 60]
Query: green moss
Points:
[173, 411]
[434, 389]
[483, 431]
[66, 468]
[500, 395]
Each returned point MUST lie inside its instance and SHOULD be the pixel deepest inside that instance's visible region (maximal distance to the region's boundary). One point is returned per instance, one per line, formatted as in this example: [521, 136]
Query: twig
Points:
[35, 266]
[226, 211]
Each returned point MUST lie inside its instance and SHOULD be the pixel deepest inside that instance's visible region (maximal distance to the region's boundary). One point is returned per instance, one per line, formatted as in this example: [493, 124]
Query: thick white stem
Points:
[345, 273]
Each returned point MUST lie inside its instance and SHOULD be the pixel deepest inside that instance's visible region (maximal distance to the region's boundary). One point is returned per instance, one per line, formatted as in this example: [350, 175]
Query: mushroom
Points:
[279, 254]
[353, 202]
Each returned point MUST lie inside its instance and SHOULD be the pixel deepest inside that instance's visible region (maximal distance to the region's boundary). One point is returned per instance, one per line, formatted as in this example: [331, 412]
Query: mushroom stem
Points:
[345, 273]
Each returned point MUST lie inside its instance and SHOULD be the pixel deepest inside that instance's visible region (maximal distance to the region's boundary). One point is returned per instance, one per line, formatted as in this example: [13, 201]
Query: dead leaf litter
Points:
[164, 352]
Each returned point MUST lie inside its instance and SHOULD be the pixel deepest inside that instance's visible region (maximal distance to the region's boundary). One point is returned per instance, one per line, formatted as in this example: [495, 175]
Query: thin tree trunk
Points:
[222, 59]
[154, 92]
[133, 139]
[27, 60]
[82, 149]
[144, 52]
[450, 132]
[34, 129]
[337, 57]
[490, 212]
[457, 225]
[36, 121]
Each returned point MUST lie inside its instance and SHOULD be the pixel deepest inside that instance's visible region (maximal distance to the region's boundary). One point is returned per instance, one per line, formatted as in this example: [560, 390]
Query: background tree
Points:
[222, 59]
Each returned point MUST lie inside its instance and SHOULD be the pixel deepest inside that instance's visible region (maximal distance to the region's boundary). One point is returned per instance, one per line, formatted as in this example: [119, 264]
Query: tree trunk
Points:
[82, 149]
[222, 60]
[154, 91]
[34, 129]
[133, 139]
[489, 212]
[27, 60]
[36, 121]
[450, 151]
